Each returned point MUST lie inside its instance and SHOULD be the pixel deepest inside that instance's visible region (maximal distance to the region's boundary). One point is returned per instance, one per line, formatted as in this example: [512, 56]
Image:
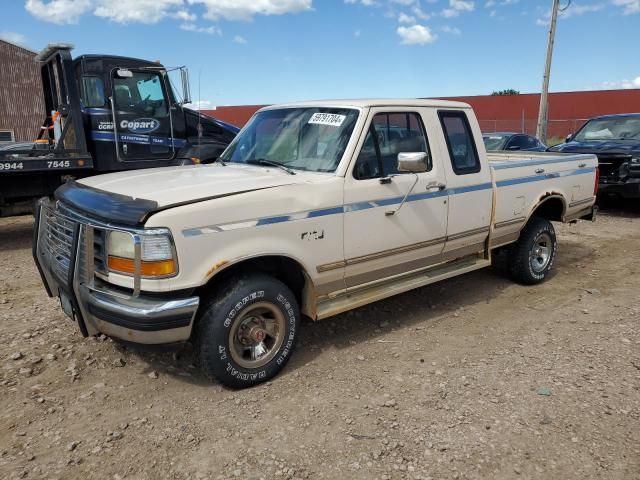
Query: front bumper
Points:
[627, 189]
[96, 306]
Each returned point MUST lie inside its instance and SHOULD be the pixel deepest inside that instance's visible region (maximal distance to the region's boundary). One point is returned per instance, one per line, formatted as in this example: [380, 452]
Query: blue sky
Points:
[269, 51]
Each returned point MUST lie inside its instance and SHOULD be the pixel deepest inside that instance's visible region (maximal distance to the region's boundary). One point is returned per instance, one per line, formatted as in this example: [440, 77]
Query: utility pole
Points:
[543, 113]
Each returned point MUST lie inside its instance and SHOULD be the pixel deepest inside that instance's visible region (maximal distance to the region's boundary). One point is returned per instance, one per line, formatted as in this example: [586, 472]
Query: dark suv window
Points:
[462, 148]
[390, 134]
[532, 143]
[518, 142]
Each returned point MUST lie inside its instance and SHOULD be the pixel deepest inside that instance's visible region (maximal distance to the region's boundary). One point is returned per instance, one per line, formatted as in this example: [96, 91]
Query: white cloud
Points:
[404, 18]
[456, 7]
[452, 30]
[192, 27]
[240, 39]
[186, 16]
[58, 11]
[416, 35]
[136, 11]
[246, 9]
[366, 3]
[13, 37]
[616, 85]
[635, 83]
[152, 11]
[629, 6]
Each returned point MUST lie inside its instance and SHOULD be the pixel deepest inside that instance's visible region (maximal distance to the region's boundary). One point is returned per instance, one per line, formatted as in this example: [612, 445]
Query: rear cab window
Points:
[92, 92]
[390, 134]
[460, 142]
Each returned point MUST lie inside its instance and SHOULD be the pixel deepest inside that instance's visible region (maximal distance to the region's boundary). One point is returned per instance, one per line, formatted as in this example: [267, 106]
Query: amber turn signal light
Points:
[161, 268]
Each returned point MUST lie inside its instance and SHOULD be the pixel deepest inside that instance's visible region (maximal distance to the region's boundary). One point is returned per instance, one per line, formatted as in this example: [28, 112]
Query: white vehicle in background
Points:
[314, 209]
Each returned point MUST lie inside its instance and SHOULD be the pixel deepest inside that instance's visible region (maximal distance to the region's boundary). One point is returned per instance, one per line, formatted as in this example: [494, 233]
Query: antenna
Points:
[199, 116]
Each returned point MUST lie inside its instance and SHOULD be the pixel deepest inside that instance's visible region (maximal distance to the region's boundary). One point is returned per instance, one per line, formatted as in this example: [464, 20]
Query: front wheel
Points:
[534, 254]
[247, 331]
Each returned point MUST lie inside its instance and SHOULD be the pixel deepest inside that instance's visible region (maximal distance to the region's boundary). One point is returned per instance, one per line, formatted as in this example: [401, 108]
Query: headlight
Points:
[156, 254]
[635, 161]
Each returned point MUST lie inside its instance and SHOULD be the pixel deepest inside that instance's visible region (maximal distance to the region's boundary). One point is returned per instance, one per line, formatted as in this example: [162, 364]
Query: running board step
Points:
[363, 296]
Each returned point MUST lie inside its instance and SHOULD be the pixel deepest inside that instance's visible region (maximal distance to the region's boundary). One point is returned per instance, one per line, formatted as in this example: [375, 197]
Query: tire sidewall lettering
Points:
[222, 349]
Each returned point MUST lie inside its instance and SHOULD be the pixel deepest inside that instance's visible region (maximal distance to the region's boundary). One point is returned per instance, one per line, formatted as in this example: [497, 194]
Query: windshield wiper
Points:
[265, 162]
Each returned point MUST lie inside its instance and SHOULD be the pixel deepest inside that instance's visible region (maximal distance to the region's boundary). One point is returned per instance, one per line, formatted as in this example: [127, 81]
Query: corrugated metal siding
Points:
[567, 110]
[235, 115]
[21, 103]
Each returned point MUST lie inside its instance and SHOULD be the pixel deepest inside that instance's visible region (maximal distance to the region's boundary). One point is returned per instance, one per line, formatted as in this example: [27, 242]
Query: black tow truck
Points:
[105, 114]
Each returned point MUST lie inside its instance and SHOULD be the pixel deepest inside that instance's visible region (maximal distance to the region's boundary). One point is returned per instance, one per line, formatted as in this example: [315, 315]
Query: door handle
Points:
[436, 185]
[540, 170]
[582, 165]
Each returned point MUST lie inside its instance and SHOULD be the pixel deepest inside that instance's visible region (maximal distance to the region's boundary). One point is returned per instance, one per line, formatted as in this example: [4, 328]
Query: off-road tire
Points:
[218, 317]
[521, 265]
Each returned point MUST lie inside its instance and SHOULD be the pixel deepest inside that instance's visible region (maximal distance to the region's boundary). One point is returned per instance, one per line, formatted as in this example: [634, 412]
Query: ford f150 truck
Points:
[313, 209]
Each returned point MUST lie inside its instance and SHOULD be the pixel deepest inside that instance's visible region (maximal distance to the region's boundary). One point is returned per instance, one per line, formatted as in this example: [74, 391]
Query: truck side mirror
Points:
[413, 162]
[569, 138]
[186, 89]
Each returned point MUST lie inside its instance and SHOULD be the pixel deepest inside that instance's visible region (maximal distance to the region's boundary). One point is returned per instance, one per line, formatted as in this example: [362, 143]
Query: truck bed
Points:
[525, 179]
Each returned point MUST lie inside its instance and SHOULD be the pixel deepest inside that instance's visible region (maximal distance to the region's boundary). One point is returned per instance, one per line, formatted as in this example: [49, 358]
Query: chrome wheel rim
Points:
[256, 335]
[541, 253]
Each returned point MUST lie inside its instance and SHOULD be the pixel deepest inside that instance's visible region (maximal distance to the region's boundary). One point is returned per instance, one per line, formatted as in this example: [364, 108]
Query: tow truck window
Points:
[142, 93]
[92, 92]
[462, 148]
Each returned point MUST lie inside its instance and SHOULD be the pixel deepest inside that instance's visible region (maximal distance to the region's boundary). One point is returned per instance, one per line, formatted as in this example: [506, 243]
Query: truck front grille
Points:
[58, 241]
[60, 224]
[611, 166]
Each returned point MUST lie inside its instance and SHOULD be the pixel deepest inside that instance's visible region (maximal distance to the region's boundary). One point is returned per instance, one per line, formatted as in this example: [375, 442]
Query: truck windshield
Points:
[614, 128]
[311, 139]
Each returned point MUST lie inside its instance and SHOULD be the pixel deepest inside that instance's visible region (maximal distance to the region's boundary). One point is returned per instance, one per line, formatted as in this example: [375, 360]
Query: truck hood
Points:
[605, 147]
[129, 198]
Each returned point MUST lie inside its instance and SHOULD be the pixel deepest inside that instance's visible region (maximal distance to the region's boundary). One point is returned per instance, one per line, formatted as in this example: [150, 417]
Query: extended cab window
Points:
[462, 148]
[389, 135]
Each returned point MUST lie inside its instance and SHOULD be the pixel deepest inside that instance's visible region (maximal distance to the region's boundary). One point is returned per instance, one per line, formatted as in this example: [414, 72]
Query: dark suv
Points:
[615, 139]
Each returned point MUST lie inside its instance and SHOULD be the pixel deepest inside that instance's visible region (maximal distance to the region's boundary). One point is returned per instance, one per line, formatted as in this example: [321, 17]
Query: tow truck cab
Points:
[103, 114]
[131, 116]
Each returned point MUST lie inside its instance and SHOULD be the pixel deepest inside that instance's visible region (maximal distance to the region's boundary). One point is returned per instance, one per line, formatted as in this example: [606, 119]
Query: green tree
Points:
[508, 91]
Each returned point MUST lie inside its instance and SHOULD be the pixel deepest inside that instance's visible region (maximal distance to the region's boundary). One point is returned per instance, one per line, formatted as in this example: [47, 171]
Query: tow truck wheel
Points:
[247, 331]
[534, 254]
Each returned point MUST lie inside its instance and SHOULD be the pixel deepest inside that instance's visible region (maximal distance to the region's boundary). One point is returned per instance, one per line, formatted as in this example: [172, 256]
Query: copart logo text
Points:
[140, 125]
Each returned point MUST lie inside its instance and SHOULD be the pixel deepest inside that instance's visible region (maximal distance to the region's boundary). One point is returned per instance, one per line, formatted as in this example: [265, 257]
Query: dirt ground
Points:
[473, 378]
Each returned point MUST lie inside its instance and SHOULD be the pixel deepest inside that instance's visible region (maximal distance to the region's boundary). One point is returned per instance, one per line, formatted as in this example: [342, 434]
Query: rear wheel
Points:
[533, 255]
[247, 331]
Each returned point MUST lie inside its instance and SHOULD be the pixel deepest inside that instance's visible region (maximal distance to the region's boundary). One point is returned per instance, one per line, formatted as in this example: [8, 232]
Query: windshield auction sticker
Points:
[330, 119]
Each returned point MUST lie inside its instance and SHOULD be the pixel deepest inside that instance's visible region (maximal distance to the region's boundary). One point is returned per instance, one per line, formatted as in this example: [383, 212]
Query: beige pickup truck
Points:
[314, 209]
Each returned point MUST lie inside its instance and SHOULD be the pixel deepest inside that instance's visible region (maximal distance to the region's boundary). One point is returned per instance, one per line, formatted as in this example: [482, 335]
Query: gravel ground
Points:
[472, 378]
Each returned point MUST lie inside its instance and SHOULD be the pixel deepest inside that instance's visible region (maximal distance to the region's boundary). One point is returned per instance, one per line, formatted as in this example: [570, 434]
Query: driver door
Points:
[381, 239]
[141, 112]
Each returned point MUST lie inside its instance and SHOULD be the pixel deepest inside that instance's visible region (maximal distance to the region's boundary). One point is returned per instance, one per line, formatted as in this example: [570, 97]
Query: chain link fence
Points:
[557, 129]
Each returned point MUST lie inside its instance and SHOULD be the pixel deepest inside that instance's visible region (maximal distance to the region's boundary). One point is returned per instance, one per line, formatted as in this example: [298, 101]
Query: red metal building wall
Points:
[567, 110]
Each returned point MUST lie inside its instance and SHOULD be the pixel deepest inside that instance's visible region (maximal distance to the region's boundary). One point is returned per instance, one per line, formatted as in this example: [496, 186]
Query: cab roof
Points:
[373, 102]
